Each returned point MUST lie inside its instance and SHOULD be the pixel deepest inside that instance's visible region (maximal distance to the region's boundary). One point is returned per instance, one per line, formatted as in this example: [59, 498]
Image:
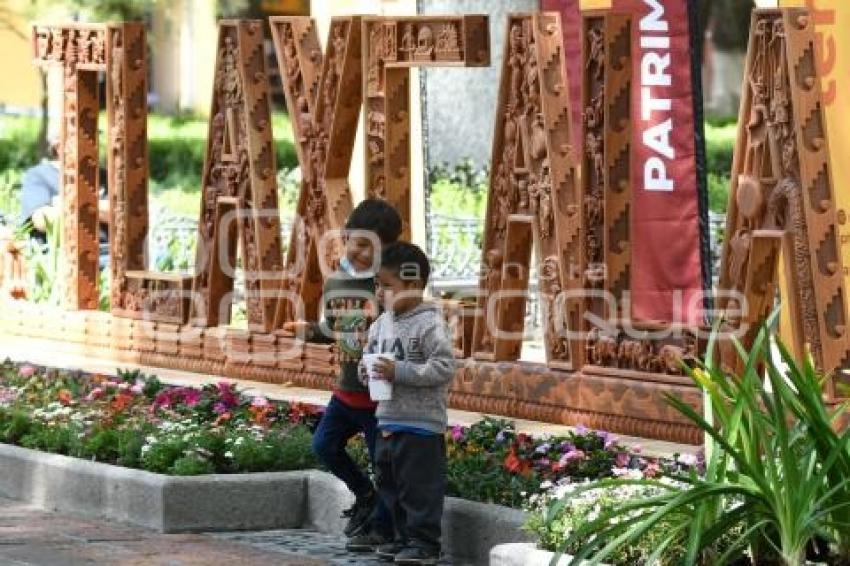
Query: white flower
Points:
[627, 473]
[688, 459]
[228, 455]
[150, 439]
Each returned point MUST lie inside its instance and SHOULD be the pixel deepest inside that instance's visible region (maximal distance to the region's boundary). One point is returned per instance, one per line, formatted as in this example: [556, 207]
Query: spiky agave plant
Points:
[776, 479]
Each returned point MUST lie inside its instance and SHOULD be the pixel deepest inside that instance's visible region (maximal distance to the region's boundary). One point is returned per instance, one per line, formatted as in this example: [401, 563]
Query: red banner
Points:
[667, 272]
[666, 246]
[667, 262]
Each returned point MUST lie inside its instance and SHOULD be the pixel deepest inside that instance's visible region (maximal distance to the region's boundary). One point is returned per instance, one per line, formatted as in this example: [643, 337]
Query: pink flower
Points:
[652, 469]
[26, 371]
[191, 396]
[227, 394]
[259, 401]
[136, 389]
[622, 459]
[94, 394]
[608, 439]
[570, 456]
[457, 433]
[162, 400]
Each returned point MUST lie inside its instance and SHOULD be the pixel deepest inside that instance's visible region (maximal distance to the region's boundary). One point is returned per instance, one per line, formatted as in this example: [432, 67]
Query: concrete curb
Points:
[226, 502]
[525, 554]
[169, 504]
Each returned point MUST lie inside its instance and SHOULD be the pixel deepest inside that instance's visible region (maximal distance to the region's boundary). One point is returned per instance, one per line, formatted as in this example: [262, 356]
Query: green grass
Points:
[719, 149]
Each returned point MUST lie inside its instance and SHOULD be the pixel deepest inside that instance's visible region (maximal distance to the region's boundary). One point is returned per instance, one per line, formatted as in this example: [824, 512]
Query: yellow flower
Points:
[702, 378]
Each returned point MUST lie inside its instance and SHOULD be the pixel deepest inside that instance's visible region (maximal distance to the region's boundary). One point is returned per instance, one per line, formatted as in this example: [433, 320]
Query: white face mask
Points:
[350, 270]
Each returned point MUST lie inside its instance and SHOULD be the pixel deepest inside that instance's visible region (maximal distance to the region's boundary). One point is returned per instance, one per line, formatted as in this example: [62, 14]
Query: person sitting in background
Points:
[40, 192]
[40, 196]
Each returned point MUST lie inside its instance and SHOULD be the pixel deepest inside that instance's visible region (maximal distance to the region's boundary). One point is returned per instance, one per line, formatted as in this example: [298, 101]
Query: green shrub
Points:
[19, 144]
[176, 147]
[294, 449]
[55, 438]
[161, 455]
[15, 425]
[720, 148]
[478, 477]
[10, 194]
[130, 442]
[103, 444]
[252, 455]
[718, 192]
[192, 464]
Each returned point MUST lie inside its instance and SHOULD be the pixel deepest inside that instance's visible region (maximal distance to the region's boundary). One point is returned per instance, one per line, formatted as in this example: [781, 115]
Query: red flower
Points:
[515, 464]
[299, 413]
[260, 415]
[121, 401]
[222, 418]
[65, 397]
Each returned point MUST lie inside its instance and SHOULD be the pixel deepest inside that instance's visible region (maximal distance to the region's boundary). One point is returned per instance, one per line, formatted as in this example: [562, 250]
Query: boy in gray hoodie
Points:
[410, 452]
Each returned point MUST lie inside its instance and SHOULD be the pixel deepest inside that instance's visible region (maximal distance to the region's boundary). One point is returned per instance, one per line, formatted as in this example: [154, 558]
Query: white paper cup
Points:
[379, 389]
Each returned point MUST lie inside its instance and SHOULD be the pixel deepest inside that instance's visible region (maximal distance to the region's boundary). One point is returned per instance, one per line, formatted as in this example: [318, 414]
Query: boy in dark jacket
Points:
[410, 455]
[349, 307]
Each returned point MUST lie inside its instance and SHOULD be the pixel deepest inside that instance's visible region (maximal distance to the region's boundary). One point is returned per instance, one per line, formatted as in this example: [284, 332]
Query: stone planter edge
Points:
[220, 502]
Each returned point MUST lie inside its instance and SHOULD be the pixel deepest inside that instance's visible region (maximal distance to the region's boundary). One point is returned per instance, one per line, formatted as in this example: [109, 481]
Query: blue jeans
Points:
[338, 424]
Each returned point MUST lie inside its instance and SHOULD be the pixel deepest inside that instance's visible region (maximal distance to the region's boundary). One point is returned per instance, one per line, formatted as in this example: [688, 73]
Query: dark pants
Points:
[411, 477]
[338, 424]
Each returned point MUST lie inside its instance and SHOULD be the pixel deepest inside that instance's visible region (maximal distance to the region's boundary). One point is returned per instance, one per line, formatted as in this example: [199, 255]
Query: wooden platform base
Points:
[625, 402]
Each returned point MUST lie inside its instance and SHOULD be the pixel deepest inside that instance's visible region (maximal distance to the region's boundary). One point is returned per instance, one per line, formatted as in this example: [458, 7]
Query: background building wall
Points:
[20, 89]
[461, 102]
[183, 49]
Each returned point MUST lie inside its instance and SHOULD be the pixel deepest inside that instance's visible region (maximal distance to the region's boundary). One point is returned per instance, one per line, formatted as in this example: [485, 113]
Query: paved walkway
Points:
[30, 537]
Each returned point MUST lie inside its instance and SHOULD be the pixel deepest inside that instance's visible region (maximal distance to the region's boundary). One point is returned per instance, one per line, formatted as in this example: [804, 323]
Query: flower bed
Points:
[774, 491]
[135, 421]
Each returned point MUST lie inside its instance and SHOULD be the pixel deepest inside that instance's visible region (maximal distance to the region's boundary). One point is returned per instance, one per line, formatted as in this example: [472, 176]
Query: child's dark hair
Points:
[378, 216]
[407, 260]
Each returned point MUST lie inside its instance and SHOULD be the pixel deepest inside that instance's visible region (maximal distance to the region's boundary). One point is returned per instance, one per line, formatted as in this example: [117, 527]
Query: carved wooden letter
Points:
[239, 164]
[606, 170]
[80, 49]
[127, 107]
[781, 180]
[391, 46]
[324, 99]
[533, 177]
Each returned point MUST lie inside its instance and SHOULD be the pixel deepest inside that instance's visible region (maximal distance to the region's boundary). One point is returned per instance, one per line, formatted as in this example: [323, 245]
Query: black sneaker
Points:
[367, 542]
[387, 552]
[417, 555]
[358, 514]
